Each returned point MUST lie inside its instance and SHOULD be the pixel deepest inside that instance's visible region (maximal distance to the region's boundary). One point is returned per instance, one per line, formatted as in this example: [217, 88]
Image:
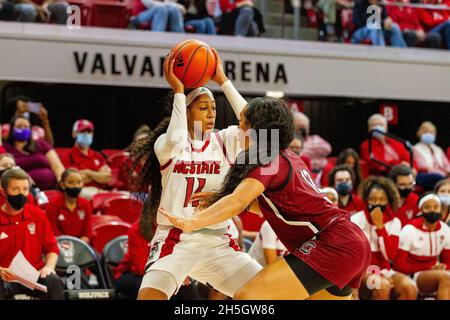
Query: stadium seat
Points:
[113, 254]
[51, 194]
[109, 152]
[75, 252]
[105, 232]
[128, 210]
[109, 14]
[98, 201]
[118, 162]
[98, 219]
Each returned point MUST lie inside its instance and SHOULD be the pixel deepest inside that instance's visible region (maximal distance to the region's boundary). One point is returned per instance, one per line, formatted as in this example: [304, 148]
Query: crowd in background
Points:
[401, 203]
[401, 24]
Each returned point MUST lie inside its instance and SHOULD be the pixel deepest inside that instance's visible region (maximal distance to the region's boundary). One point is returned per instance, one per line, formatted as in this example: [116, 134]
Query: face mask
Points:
[73, 192]
[445, 199]
[344, 188]
[21, 134]
[85, 139]
[428, 138]
[303, 132]
[432, 216]
[404, 192]
[378, 134]
[18, 201]
[371, 207]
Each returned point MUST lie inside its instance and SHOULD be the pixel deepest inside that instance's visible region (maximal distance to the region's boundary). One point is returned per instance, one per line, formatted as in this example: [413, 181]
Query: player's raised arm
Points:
[234, 97]
[176, 135]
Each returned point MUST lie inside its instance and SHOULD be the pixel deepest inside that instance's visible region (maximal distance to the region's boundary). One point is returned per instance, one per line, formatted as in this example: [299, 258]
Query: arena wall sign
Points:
[99, 56]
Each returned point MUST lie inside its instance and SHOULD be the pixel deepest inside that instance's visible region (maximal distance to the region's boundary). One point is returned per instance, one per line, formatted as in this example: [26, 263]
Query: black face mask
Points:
[432, 216]
[404, 192]
[372, 207]
[73, 192]
[17, 202]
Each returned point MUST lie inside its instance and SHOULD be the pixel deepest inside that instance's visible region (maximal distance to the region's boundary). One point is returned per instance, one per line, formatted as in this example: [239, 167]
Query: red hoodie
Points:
[405, 17]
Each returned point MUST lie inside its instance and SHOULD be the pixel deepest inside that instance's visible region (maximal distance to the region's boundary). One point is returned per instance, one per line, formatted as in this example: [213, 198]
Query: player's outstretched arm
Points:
[234, 97]
[233, 204]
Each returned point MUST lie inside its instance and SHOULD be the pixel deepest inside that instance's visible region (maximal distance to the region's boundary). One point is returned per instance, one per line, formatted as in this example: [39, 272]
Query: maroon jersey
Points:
[292, 204]
[309, 225]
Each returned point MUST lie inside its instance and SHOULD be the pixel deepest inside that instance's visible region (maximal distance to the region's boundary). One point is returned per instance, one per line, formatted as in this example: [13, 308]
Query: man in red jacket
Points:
[436, 21]
[384, 149]
[407, 19]
[25, 228]
[404, 180]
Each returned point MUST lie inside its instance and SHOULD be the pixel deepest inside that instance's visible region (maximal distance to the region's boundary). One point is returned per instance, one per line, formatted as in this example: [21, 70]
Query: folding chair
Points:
[105, 232]
[112, 256]
[128, 210]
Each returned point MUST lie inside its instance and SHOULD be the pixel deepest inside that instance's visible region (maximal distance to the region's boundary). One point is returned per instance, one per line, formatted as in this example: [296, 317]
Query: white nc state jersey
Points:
[200, 167]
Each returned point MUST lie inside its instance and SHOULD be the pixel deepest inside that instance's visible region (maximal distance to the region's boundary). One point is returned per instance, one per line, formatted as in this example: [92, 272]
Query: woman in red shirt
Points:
[68, 213]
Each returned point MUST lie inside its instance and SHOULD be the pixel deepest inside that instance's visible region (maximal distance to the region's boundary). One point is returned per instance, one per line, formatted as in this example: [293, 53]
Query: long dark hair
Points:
[261, 113]
[144, 160]
[31, 145]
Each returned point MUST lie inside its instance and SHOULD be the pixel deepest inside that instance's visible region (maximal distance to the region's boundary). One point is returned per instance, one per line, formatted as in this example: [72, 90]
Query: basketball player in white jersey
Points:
[192, 158]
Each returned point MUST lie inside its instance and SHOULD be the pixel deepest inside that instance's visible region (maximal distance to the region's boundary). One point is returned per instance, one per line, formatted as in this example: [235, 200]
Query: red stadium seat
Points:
[85, 8]
[109, 14]
[51, 194]
[98, 201]
[118, 162]
[62, 151]
[98, 219]
[128, 210]
[105, 232]
[110, 152]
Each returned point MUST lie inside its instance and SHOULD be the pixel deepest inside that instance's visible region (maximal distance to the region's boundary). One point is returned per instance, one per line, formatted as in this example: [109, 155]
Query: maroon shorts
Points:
[340, 254]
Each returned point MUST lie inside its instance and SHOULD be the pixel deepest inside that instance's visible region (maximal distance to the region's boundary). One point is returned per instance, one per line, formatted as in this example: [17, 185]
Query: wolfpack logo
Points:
[442, 239]
[179, 61]
[61, 217]
[67, 250]
[81, 214]
[96, 162]
[409, 214]
[153, 251]
[3, 236]
[307, 247]
[32, 228]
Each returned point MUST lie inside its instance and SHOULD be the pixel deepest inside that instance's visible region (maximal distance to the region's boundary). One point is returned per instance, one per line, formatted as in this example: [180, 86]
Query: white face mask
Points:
[379, 128]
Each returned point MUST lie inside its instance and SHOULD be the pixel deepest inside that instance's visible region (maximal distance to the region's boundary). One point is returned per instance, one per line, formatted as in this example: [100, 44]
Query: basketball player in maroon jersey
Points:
[328, 253]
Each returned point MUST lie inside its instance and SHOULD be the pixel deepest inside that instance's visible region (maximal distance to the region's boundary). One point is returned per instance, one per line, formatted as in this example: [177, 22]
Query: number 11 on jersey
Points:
[190, 188]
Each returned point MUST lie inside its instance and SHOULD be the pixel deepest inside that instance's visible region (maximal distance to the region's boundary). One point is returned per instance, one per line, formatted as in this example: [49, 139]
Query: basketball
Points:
[195, 63]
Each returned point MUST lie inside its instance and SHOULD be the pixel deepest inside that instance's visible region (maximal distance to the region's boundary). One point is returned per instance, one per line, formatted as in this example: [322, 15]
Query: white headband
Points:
[197, 92]
[429, 197]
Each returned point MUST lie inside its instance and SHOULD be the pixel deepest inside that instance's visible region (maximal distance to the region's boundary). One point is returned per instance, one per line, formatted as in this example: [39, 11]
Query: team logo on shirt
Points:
[307, 247]
[124, 246]
[61, 217]
[32, 228]
[442, 239]
[409, 214]
[153, 251]
[67, 250]
[81, 214]
[96, 162]
[3, 236]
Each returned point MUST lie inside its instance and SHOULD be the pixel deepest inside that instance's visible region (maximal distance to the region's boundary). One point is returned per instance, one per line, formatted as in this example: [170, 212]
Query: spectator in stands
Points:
[407, 19]
[342, 179]
[240, 18]
[330, 9]
[351, 158]
[384, 149]
[296, 146]
[198, 17]
[436, 21]
[37, 158]
[442, 189]
[68, 213]
[314, 146]
[404, 180]
[162, 15]
[25, 228]
[7, 162]
[432, 163]
[377, 32]
[35, 112]
[95, 172]
[53, 11]
[7, 10]
[382, 229]
[424, 251]
[267, 247]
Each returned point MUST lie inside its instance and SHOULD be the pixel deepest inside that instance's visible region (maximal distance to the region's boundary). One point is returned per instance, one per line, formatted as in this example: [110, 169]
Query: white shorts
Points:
[211, 259]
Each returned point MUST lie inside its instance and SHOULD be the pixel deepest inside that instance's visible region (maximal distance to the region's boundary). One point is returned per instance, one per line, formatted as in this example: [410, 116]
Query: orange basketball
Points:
[195, 63]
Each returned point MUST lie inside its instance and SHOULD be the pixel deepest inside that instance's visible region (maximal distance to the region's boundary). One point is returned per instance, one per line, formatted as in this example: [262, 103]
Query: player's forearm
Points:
[234, 97]
[222, 210]
[177, 131]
